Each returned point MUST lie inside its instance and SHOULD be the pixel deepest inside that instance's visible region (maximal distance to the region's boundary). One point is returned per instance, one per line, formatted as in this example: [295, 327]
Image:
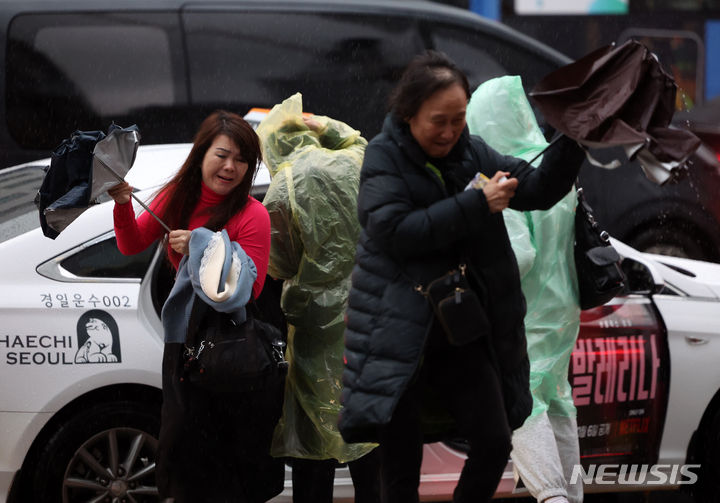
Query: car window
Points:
[483, 56]
[343, 64]
[18, 213]
[134, 69]
[103, 260]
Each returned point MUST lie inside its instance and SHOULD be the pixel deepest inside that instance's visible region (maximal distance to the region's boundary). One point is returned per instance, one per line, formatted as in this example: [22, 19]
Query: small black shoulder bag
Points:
[600, 277]
[457, 307]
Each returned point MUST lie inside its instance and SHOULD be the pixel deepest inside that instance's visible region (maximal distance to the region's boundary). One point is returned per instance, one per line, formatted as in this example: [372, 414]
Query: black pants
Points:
[472, 394]
[313, 479]
[214, 447]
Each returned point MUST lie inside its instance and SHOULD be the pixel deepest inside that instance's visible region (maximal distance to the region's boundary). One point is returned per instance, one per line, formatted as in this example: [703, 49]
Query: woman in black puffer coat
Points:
[417, 224]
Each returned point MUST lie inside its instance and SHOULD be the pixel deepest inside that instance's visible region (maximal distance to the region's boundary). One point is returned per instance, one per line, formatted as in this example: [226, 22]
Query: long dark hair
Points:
[426, 74]
[183, 191]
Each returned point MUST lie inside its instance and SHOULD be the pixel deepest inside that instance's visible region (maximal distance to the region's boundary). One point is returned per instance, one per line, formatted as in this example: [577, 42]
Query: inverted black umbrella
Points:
[619, 96]
[82, 167]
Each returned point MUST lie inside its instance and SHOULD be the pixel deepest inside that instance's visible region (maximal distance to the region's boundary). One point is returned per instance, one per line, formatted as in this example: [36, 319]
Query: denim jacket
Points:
[218, 271]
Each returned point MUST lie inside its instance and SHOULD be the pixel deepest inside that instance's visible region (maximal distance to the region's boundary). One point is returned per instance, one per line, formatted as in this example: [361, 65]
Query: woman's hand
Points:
[120, 192]
[179, 241]
[313, 124]
[499, 190]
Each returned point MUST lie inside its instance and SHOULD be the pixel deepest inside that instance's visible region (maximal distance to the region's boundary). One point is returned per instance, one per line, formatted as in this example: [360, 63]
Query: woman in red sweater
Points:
[213, 446]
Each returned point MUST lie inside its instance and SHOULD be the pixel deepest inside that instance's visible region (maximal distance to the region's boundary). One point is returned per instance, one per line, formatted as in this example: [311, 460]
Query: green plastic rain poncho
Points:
[312, 201]
[543, 244]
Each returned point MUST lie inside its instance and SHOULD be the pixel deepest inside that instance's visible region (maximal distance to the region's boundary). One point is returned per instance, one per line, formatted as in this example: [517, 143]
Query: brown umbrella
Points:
[619, 96]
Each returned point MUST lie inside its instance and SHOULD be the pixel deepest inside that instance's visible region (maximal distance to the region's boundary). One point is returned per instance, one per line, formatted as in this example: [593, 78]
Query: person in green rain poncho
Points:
[315, 164]
[545, 448]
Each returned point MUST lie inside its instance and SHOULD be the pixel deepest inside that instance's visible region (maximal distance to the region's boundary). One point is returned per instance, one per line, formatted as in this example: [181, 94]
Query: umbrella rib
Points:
[116, 175]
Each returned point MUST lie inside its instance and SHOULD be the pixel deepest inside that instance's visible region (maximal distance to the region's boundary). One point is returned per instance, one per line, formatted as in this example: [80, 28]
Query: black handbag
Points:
[222, 355]
[600, 277]
[457, 307]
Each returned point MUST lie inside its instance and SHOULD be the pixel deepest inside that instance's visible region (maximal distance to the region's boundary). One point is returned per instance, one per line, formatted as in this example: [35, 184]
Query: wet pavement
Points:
[627, 497]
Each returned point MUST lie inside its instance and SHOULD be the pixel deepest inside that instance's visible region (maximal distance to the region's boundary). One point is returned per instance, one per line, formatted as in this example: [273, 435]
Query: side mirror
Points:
[642, 275]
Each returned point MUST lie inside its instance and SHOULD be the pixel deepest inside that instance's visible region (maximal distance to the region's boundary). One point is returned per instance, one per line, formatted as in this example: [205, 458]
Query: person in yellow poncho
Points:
[315, 164]
[545, 448]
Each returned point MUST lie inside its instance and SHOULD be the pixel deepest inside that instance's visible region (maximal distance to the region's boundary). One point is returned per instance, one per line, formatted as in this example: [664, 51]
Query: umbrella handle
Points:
[553, 142]
[121, 179]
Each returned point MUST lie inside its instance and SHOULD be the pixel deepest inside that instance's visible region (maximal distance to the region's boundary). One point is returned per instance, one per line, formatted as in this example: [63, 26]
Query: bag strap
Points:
[585, 212]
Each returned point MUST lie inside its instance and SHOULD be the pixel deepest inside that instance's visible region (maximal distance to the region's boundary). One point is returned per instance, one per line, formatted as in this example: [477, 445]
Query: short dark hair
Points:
[426, 74]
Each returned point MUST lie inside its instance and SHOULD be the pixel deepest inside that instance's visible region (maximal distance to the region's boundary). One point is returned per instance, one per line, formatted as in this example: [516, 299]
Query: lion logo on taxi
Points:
[98, 338]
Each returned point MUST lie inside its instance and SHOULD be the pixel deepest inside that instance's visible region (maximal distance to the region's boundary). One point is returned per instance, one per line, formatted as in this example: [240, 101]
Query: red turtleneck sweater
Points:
[250, 228]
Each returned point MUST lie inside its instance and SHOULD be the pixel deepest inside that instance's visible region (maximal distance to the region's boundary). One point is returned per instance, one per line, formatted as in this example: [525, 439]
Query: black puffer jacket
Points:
[416, 227]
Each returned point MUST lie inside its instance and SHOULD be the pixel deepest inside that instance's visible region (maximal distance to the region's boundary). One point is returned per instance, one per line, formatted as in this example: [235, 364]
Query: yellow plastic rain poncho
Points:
[543, 244]
[312, 201]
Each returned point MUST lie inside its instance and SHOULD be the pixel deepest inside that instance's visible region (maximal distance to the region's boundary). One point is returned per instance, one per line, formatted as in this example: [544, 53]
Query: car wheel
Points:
[707, 488]
[105, 453]
[672, 241]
